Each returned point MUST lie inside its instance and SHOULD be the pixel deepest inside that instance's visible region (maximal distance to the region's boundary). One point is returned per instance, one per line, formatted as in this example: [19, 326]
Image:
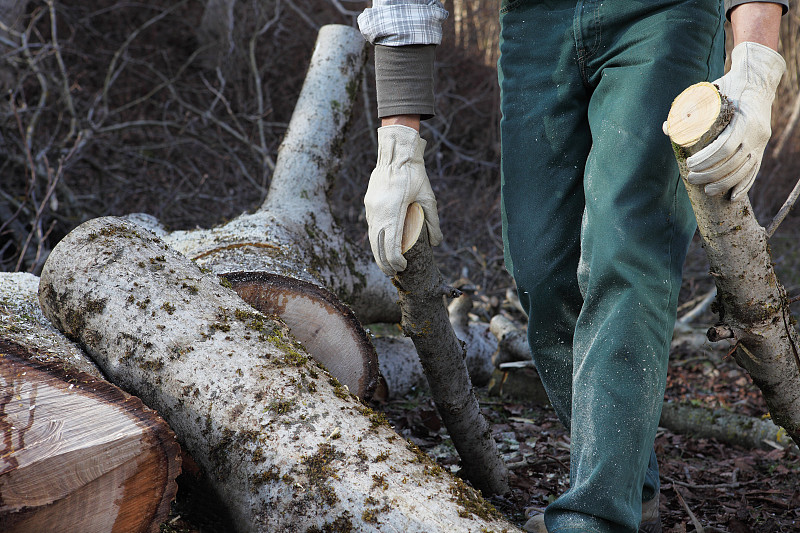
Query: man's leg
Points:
[636, 228]
[555, 57]
[545, 143]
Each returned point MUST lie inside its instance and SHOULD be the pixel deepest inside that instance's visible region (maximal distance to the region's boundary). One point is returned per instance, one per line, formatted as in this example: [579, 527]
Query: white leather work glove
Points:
[733, 159]
[399, 179]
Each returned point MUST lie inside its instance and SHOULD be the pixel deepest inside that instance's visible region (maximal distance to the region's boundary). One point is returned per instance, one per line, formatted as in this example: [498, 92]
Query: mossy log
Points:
[752, 303]
[287, 447]
[425, 319]
[293, 233]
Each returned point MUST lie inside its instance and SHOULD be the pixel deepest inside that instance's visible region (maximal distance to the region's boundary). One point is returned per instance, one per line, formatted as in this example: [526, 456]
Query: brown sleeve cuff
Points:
[730, 4]
[404, 80]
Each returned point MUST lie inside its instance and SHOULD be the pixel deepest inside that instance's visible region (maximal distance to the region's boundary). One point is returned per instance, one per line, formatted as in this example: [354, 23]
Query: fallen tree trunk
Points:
[286, 446]
[752, 303]
[425, 320]
[725, 426]
[294, 233]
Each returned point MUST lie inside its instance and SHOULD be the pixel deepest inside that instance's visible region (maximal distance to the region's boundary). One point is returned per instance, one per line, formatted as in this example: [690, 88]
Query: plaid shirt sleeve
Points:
[403, 22]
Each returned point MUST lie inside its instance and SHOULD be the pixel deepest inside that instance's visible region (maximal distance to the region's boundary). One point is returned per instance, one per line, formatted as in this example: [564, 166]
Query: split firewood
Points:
[421, 289]
[753, 306]
[286, 446]
[293, 233]
[78, 454]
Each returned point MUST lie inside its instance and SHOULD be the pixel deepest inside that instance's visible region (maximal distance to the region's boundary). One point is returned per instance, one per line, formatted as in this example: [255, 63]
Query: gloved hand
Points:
[733, 159]
[399, 179]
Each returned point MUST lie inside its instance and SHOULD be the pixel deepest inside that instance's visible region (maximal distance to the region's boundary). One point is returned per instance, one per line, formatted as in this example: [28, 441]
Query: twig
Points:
[733, 485]
[303, 16]
[344, 11]
[700, 308]
[787, 130]
[697, 526]
[784, 210]
[34, 66]
[440, 136]
[73, 121]
[139, 124]
[112, 72]
[53, 179]
[268, 164]
[160, 86]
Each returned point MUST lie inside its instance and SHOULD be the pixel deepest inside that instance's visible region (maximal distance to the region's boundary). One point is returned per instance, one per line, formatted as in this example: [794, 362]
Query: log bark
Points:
[400, 366]
[294, 233]
[78, 454]
[751, 301]
[22, 322]
[422, 290]
[286, 446]
[480, 345]
[403, 373]
[512, 341]
[725, 426]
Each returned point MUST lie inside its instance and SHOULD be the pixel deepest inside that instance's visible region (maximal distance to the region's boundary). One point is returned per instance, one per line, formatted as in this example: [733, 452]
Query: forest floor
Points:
[706, 486]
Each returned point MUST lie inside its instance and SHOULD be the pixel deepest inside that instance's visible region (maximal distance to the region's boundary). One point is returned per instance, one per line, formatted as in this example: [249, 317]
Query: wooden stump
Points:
[79, 454]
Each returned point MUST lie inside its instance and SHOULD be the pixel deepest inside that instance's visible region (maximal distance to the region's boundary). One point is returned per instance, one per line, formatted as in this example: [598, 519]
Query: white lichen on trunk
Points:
[294, 232]
[287, 447]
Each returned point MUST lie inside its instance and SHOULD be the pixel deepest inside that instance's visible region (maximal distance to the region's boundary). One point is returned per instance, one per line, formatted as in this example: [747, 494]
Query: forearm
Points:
[757, 22]
[411, 121]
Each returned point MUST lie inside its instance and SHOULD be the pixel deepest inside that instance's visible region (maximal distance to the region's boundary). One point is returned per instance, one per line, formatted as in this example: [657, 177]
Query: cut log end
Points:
[693, 114]
[327, 329]
[79, 454]
[415, 220]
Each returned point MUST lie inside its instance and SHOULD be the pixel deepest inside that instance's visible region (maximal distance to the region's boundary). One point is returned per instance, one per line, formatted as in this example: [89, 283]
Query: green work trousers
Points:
[596, 224]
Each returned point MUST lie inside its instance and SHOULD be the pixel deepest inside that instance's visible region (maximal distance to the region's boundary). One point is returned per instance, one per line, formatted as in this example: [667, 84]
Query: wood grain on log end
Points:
[78, 453]
[415, 220]
[693, 113]
[327, 329]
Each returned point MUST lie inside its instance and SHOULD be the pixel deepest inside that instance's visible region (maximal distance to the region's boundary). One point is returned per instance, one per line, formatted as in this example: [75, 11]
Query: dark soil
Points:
[721, 487]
